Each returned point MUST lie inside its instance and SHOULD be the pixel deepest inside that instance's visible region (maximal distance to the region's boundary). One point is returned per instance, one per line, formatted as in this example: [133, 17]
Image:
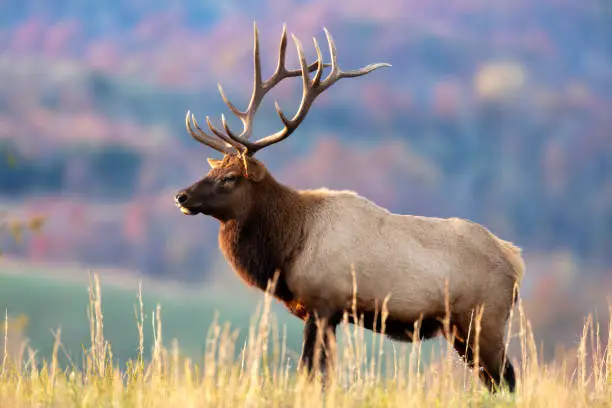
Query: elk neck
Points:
[270, 237]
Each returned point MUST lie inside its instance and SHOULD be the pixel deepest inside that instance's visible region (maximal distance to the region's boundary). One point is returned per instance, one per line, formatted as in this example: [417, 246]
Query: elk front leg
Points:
[319, 342]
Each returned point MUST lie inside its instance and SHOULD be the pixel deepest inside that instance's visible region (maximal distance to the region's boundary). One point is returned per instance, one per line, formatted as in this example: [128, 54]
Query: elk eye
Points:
[228, 179]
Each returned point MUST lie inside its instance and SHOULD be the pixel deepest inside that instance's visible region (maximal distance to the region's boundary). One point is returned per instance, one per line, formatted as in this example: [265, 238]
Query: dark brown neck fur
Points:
[270, 237]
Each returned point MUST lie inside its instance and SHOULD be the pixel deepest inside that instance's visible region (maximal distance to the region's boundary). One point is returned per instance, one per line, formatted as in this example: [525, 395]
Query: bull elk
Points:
[317, 244]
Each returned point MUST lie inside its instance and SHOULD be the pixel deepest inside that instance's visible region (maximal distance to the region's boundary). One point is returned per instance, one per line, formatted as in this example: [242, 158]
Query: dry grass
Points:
[265, 375]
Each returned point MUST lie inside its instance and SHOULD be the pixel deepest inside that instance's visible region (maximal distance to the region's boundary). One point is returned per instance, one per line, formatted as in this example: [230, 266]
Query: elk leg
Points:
[510, 375]
[464, 351]
[491, 359]
[319, 341]
[310, 339]
[491, 354]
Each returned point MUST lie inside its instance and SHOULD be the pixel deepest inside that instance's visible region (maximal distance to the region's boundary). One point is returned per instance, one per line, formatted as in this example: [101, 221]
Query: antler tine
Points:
[227, 140]
[337, 73]
[291, 124]
[319, 74]
[311, 90]
[281, 71]
[280, 66]
[202, 137]
[238, 146]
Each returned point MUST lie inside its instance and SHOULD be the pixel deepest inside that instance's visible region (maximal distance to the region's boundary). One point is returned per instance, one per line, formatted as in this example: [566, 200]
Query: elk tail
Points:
[514, 255]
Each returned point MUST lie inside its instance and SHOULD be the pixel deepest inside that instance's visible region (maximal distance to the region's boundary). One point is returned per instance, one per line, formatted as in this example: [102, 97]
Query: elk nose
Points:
[181, 197]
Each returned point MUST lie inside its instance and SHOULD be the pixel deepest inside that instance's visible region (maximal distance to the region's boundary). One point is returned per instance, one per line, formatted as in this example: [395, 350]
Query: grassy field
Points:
[51, 304]
[257, 367]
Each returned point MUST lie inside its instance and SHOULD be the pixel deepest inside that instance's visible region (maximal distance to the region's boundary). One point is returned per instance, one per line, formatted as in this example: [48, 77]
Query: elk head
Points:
[227, 191]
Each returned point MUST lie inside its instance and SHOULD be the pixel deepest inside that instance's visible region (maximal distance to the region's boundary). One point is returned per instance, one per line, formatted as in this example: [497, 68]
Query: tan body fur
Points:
[405, 257]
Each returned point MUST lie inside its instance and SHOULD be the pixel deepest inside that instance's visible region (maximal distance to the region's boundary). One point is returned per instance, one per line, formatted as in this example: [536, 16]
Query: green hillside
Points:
[50, 303]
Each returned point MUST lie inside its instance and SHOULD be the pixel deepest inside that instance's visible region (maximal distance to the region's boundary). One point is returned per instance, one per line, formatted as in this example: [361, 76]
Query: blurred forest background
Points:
[500, 112]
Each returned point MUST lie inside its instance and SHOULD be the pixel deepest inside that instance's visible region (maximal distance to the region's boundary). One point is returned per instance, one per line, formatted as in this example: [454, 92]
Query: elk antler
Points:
[311, 89]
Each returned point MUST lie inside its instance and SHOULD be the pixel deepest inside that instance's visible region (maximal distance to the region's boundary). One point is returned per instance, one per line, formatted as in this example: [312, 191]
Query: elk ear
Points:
[214, 163]
[255, 170]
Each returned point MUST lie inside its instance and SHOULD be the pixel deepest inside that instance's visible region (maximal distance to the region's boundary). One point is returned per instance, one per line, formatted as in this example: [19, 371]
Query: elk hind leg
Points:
[495, 366]
[491, 357]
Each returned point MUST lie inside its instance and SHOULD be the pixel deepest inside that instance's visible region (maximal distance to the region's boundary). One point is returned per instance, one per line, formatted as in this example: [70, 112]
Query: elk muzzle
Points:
[181, 200]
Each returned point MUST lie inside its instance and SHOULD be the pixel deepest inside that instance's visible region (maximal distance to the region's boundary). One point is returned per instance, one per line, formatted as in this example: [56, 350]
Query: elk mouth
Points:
[185, 209]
